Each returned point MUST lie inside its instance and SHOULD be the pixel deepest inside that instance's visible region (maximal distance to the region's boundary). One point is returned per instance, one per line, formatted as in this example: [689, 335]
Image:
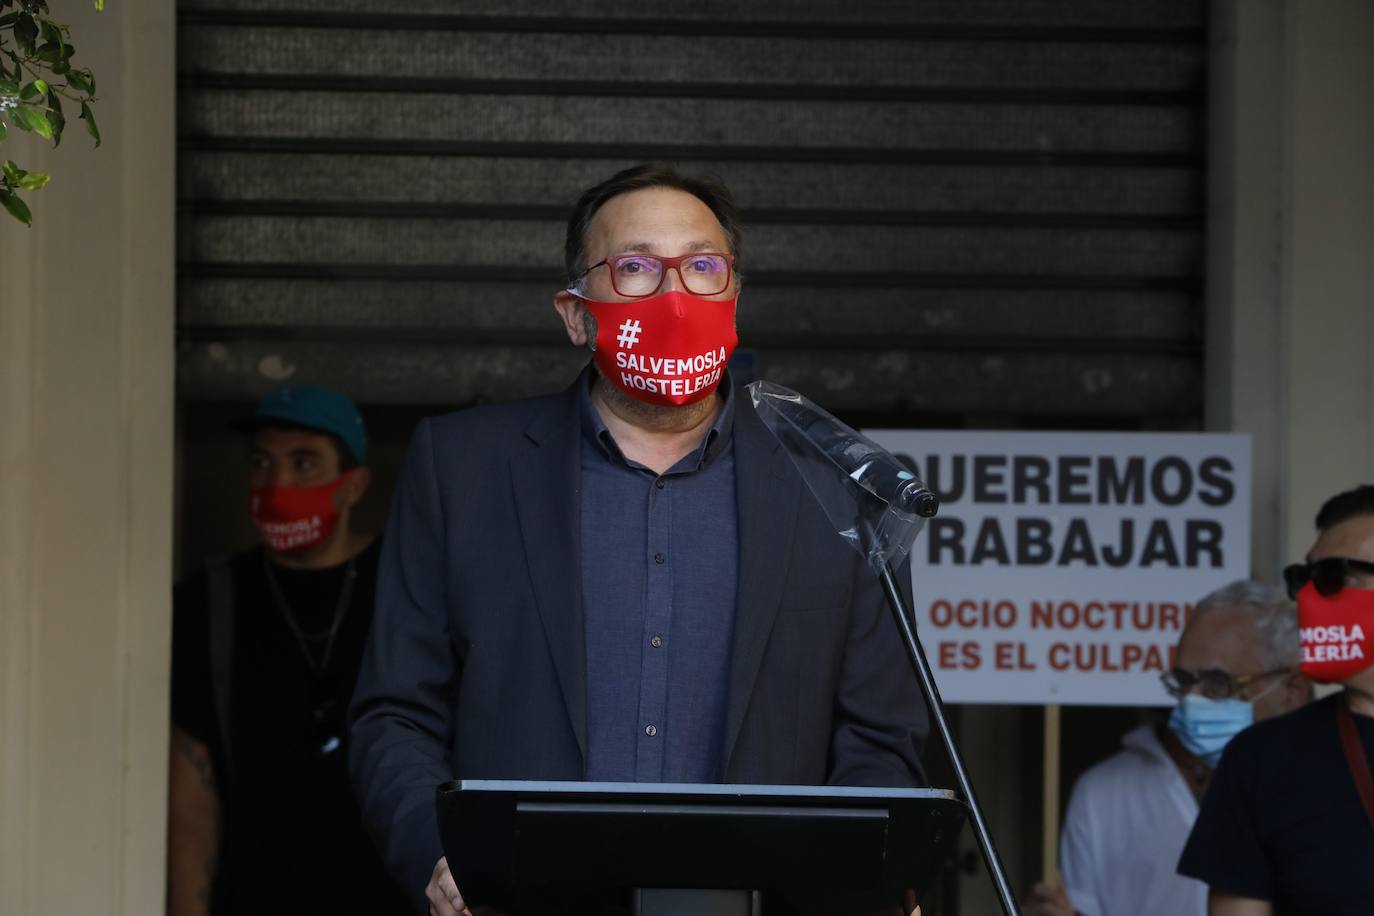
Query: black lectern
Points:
[696, 850]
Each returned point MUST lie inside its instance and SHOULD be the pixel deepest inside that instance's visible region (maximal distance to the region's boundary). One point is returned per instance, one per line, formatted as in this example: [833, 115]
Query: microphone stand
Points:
[921, 666]
[805, 430]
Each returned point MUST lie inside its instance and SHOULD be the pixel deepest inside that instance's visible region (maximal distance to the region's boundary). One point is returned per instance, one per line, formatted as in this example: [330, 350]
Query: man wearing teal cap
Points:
[266, 648]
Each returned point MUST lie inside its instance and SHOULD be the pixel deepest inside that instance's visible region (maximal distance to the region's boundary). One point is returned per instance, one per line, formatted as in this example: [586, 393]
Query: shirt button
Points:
[656, 642]
[659, 483]
[650, 730]
[659, 558]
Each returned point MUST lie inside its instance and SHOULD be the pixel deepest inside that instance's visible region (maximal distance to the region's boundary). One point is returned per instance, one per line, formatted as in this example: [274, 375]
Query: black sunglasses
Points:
[1328, 575]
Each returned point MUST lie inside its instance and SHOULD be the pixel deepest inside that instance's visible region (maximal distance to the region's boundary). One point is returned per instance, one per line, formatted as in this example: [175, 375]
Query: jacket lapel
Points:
[547, 483]
[766, 497]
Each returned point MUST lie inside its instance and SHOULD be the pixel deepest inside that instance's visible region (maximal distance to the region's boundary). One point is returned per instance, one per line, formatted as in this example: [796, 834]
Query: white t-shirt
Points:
[1125, 828]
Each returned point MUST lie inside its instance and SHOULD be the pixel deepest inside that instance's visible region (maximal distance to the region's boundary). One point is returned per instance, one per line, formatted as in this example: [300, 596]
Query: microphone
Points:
[864, 462]
[872, 467]
[875, 502]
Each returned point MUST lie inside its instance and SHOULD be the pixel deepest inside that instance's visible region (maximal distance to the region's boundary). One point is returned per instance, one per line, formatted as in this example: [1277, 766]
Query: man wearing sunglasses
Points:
[1288, 823]
[626, 581]
[1129, 816]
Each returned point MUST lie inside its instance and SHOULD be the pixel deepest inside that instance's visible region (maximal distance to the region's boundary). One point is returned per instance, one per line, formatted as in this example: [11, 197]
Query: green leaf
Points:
[78, 81]
[89, 118]
[7, 20]
[50, 32]
[50, 53]
[18, 209]
[55, 117]
[9, 87]
[4, 131]
[33, 89]
[32, 181]
[25, 31]
[32, 119]
[61, 67]
[100, 6]
[12, 171]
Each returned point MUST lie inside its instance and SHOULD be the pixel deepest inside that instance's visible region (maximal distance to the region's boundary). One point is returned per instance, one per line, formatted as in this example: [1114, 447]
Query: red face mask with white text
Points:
[1337, 633]
[295, 518]
[669, 350]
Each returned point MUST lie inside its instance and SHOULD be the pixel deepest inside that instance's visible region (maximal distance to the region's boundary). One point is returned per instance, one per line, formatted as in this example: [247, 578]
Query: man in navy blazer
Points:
[625, 581]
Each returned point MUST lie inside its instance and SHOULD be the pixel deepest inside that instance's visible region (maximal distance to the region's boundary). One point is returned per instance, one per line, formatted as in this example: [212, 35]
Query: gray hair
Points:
[1274, 616]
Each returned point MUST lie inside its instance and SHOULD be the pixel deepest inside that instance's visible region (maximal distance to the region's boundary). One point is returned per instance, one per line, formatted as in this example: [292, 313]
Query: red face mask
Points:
[295, 518]
[1336, 633]
[668, 350]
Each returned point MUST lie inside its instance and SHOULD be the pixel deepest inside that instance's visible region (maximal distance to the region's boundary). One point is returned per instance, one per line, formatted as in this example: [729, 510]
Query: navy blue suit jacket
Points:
[476, 663]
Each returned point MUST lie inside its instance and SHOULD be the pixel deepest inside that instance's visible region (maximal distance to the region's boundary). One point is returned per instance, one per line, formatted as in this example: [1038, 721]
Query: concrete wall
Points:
[1291, 254]
[86, 413]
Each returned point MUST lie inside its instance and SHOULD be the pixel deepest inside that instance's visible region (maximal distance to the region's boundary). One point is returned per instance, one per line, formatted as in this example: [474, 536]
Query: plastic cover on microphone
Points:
[877, 504]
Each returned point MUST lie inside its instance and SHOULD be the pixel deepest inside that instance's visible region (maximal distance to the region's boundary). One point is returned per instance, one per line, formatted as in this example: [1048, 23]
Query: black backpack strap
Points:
[220, 578]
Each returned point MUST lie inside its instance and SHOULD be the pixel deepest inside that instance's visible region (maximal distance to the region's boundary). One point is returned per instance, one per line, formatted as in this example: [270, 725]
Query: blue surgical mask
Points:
[1205, 726]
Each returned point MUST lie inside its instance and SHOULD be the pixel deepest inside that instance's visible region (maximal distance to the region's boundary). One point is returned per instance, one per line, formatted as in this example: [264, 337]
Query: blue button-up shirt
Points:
[660, 561]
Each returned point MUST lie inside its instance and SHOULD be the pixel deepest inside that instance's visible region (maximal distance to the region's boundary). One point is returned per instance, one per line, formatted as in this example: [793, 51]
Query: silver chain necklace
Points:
[327, 636]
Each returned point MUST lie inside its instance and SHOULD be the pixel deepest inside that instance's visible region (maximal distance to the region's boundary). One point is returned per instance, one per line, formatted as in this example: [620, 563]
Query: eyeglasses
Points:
[1214, 684]
[1329, 575]
[636, 276]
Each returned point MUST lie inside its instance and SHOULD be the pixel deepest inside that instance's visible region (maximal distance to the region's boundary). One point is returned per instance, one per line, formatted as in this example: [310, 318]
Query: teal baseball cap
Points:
[312, 407]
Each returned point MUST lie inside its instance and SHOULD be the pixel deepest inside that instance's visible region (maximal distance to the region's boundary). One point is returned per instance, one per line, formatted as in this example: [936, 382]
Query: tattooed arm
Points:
[193, 816]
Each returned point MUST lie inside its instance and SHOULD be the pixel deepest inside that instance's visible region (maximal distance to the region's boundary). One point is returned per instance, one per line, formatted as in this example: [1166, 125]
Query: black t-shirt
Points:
[292, 839]
[1282, 821]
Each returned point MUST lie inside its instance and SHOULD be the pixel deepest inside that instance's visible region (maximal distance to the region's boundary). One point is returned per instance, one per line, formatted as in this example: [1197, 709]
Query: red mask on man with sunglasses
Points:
[1335, 621]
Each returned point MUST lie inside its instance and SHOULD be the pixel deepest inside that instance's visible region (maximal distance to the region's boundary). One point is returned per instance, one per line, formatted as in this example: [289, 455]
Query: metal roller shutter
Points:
[985, 206]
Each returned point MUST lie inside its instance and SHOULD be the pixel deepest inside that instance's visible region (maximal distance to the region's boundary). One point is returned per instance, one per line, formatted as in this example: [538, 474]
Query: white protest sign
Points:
[1062, 566]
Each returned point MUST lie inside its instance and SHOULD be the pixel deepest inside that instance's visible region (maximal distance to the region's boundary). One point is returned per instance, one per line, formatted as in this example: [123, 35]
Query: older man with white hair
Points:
[1129, 816]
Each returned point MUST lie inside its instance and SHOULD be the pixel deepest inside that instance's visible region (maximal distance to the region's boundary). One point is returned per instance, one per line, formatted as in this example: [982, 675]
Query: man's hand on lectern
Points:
[909, 906]
[442, 893]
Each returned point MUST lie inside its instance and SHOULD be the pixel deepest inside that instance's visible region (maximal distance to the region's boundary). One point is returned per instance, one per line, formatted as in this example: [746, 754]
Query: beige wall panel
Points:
[16, 625]
[1290, 338]
[1329, 285]
[86, 318]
